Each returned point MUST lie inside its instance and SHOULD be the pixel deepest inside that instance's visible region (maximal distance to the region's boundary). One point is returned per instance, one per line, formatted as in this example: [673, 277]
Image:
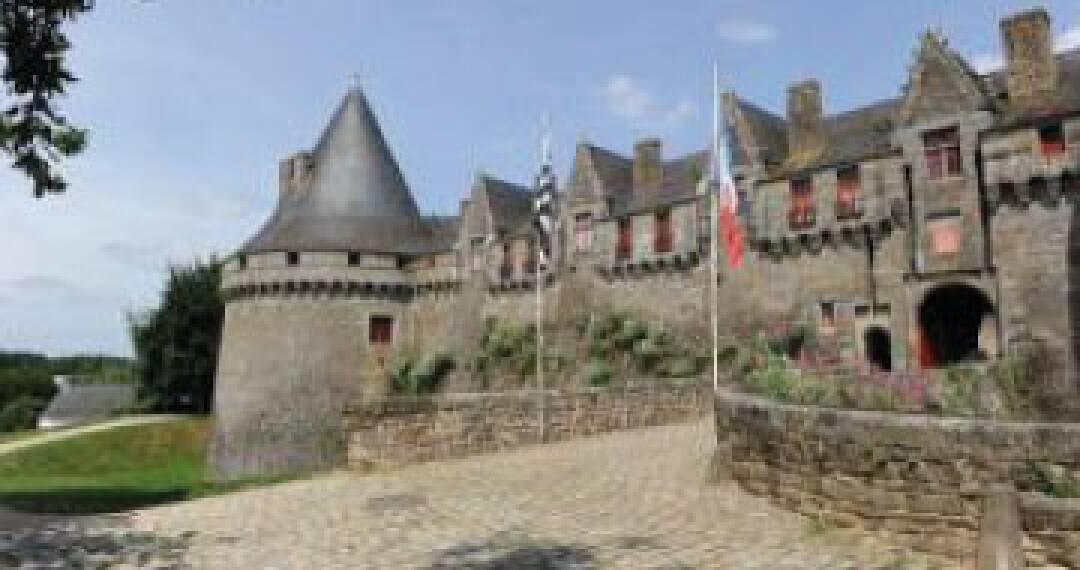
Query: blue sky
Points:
[191, 103]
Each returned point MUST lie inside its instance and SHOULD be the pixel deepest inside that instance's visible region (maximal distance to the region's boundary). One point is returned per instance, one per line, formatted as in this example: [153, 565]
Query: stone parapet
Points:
[924, 478]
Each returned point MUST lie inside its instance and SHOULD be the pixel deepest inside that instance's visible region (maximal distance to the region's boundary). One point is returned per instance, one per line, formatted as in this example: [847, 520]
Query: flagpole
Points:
[714, 242]
[541, 262]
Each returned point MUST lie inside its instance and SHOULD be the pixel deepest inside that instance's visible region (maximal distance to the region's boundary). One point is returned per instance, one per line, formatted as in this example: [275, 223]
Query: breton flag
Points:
[544, 206]
[724, 185]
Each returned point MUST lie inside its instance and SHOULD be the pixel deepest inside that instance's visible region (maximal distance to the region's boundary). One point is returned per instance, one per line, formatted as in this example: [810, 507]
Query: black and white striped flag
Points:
[544, 216]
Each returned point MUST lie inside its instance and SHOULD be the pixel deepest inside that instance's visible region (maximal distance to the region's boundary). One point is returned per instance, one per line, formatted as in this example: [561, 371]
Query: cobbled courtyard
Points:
[635, 499]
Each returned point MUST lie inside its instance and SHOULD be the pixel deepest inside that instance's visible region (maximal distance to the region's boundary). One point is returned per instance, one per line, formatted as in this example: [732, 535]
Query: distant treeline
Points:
[26, 381]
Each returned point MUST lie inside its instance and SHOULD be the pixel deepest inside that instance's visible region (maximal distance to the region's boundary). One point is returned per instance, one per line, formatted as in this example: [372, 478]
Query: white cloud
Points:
[987, 62]
[745, 32]
[628, 100]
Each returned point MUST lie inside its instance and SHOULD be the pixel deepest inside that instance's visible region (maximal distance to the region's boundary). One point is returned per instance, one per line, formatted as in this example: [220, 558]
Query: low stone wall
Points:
[922, 477]
[408, 430]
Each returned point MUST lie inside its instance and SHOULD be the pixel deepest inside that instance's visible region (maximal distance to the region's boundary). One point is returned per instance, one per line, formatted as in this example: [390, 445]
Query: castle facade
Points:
[934, 227]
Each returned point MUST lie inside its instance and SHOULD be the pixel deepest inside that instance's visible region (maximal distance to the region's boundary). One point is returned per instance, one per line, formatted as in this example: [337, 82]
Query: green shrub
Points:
[21, 413]
[681, 367]
[598, 373]
[647, 353]
[632, 331]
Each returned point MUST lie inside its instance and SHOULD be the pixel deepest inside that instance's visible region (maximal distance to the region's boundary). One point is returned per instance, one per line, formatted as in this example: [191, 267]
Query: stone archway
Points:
[877, 346]
[951, 318]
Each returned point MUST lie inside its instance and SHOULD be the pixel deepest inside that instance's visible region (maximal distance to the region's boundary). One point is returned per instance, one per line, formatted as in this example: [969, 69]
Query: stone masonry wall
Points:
[408, 430]
[921, 477]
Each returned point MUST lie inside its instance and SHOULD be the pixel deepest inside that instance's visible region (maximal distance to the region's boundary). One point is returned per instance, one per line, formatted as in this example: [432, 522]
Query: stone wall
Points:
[408, 430]
[921, 477]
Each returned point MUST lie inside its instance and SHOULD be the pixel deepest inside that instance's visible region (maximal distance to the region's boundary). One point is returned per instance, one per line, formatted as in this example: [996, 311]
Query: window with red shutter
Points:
[1052, 140]
[625, 246]
[801, 214]
[942, 151]
[662, 239]
[380, 329]
[847, 192]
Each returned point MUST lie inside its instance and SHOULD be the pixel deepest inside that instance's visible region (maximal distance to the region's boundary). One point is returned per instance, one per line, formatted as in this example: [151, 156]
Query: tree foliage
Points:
[33, 133]
[176, 344]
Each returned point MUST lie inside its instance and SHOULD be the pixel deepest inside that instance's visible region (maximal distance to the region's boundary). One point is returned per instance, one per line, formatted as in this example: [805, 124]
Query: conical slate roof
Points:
[358, 199]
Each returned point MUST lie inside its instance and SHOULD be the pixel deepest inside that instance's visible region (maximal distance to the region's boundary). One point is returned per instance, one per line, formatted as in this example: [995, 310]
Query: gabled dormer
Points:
[940, 84]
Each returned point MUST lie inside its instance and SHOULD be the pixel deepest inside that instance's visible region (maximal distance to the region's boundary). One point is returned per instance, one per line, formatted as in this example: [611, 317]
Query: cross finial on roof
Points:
[354, 80]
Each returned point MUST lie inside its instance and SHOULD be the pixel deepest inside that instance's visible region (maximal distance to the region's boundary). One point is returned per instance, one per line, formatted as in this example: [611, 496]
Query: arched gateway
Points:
[952, 319]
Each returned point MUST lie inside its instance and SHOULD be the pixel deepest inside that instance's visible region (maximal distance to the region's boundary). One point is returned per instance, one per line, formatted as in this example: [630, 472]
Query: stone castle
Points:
[930, 228]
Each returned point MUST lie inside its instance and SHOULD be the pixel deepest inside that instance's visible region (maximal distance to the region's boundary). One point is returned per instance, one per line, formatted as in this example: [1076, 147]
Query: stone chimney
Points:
[648, 163]
[1030, 67]
[805, 133]
[294, 175]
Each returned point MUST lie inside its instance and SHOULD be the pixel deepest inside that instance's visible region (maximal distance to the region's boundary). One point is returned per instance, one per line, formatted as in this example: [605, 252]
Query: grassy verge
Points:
[10, 436]
[114, 470]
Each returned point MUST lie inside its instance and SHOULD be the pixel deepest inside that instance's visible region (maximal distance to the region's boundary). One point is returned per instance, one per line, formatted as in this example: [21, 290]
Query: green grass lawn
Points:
[113, 470]
[9, 436]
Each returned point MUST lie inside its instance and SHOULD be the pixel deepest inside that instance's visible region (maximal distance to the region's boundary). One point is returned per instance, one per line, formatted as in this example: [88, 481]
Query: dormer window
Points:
[802, 213]
[1052, 140]
[847, 192]
[292, 258]
[942, 151]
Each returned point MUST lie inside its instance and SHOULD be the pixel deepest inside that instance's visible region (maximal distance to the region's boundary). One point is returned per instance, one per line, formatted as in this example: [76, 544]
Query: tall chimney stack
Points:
[1030, 69]
[806, 136]
[648, 163]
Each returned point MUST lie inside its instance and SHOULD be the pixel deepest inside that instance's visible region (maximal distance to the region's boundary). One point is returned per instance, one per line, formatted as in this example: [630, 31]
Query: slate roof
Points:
[509, 204]
[1068, 92]
[866, 131]
[679, 183]
[79, 403]
[358, 199]
[769, 130]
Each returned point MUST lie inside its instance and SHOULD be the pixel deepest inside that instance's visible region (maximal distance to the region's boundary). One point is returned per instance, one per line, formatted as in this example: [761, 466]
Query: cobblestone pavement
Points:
[636, 499]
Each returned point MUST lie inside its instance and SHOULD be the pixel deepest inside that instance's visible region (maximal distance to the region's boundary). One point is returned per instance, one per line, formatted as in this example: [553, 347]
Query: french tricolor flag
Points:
[724, 185]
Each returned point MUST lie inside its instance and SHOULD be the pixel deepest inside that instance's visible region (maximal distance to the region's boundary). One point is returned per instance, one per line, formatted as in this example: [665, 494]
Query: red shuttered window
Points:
[1052, 140]
[801, 213]
[381, 329]
[847, 192]
[662, 238]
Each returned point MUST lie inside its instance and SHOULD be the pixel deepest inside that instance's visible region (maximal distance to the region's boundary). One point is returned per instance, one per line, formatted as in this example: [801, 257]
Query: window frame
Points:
[802, 211]
[624, 239]
[292, 258]
[1055, 146]
[381, 329]
[583, 232]
[663, 236]
[943, 154]
[848, 190]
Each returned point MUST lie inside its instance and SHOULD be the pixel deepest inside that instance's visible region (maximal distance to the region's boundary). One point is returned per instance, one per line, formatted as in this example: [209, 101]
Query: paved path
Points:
[57, 435]
[636, 499]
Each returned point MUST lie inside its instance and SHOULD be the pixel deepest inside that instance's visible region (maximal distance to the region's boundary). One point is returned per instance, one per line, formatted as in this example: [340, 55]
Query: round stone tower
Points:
[316, 301]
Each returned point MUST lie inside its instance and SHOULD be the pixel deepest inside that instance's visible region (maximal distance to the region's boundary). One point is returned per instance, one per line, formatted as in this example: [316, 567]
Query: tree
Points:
[176, 344]
[32, 132]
